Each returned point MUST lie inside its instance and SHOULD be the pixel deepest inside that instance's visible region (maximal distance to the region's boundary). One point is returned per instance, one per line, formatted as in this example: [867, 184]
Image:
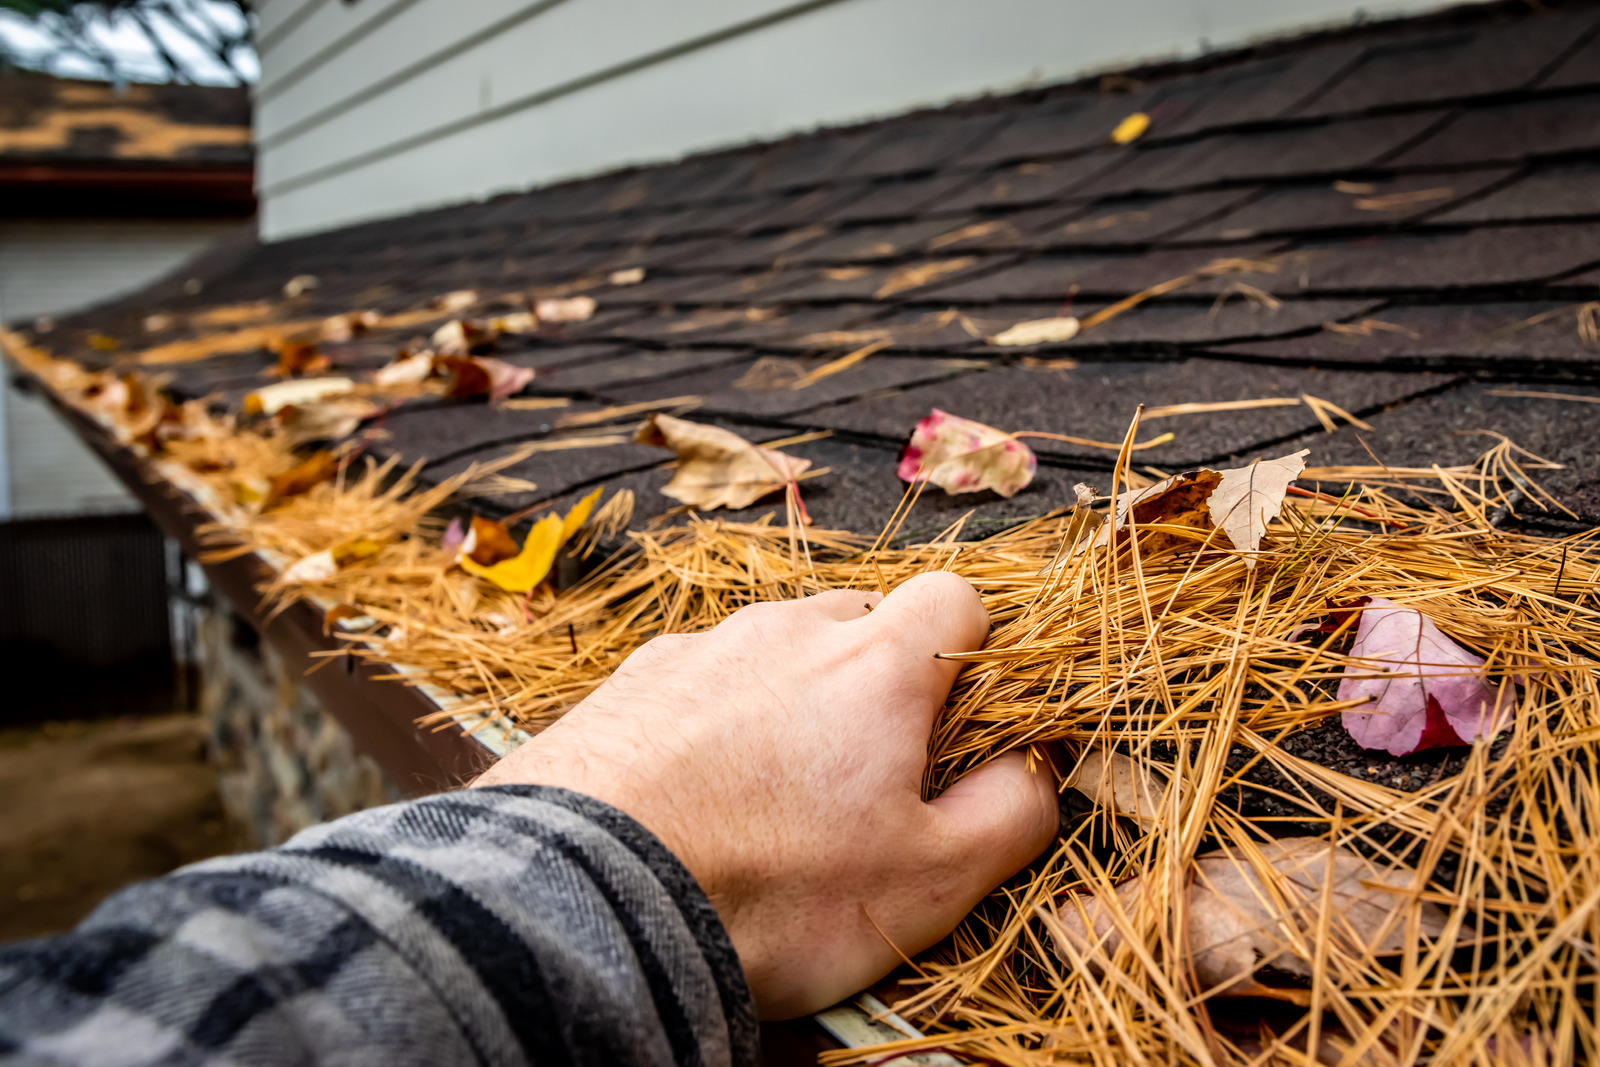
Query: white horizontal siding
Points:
[587, 85]
[562, 43]
[53, 266]
[50, 268]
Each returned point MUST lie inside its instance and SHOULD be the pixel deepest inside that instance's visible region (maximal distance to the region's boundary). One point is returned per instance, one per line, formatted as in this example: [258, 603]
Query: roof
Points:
[1402, 221]
[150, 143]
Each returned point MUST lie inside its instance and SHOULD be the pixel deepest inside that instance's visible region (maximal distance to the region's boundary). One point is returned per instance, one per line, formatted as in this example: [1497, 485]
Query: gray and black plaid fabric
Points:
[509, 925]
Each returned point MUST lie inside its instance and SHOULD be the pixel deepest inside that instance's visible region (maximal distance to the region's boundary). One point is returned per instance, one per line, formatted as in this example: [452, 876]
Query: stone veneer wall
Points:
[284, 763]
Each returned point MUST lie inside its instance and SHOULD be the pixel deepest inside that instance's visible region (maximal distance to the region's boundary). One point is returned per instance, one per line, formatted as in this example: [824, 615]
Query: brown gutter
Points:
[31, 187]
[380, 715]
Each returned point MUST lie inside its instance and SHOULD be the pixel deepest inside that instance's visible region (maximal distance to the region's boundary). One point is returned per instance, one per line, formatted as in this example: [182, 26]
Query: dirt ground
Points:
[91, 807]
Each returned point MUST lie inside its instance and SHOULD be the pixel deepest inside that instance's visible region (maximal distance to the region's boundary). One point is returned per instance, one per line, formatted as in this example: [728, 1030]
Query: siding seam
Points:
[543, 96]
[319, 59]
[404, 74]
[288, 25]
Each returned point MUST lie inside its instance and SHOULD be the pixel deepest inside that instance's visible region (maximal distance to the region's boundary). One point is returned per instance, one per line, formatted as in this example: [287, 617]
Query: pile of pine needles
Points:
[1189, 662]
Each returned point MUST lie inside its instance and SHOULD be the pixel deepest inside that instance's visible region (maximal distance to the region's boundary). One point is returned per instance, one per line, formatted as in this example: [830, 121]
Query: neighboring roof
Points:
[1415, 205]
[155, 142]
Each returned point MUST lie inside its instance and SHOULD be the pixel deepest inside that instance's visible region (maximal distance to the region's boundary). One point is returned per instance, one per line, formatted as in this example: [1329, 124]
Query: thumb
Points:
[994, 821]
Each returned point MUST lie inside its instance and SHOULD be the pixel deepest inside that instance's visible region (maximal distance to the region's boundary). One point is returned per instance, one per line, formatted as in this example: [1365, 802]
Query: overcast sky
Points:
[27, 46]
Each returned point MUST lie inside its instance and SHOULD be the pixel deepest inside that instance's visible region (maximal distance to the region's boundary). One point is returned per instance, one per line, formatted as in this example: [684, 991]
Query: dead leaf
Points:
[717, 468]
[565, 309]
[265, 493]
[1115, 781]
[523, 572]
[1425, 690]
[407, 369]
[338, 329]
[329, 419]
[460, 337]
[518, 322]
[1240, 502]
[1248, 498]
[269, 400]
[1246, 921]
[962, 456]
[488, 542]
[296, 359]
[320, 566]
[456, 300]
[470, 376]
[299, 285]
[1131, 128]
[919, 275]
[317, 567]
[1038, 332]
[1175, 502]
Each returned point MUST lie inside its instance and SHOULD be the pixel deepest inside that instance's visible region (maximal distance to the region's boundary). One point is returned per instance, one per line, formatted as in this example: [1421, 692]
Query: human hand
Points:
[780, 757]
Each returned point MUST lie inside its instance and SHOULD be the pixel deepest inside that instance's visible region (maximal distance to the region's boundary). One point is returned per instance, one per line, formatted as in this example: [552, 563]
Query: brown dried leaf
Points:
[296, 359]
[488, 542]
[1240, 502]
[1115, 781]
[301, 478]
[717, 468]
[1245, 923]
[1248, 498]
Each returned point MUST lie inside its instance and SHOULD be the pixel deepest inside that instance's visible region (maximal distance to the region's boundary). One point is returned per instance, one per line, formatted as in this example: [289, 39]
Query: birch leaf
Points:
[962, 456]
[717, 468]
[1244, 923]
[1248, 498]
[1425, 691]
[1037, 332]
[523, 572]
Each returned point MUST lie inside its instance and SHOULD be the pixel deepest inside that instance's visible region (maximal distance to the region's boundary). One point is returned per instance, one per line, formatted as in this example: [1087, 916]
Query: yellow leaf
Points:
[578, 516]
[1131, 128]
[528, 568]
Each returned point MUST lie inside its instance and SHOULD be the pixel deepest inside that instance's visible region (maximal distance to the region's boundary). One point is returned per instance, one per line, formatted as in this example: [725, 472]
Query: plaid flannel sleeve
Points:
[505, 925]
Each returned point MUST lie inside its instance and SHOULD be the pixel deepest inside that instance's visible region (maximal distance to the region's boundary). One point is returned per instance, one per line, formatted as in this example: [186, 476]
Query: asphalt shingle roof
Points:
[1426, 187]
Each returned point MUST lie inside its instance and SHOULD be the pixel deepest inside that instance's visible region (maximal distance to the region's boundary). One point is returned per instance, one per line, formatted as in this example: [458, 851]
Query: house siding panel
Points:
[587, 86]
[49, 267]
